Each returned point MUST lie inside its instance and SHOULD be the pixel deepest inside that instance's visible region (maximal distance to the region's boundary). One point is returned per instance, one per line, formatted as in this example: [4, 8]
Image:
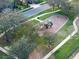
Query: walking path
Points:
[36, 18]
[77, 56]
[6, 52]
[64, 41]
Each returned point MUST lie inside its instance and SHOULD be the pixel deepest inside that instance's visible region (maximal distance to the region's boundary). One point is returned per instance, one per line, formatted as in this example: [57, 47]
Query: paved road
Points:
[34, 11]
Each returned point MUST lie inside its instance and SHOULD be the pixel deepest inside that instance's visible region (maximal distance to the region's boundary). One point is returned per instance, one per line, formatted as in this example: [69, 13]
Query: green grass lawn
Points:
[51, 14]
[34, 22]
[40, 1]
[44, 2]
[67, 49]
[45, 16]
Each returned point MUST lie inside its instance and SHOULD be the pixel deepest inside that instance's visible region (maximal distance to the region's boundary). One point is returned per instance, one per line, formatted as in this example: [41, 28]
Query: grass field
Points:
[45, 16]
[34, 22]
[67, 49]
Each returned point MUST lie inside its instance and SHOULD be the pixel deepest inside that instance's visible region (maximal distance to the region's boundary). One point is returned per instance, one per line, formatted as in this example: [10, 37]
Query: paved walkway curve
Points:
[64, 41]
[6, 52]
[36, 18]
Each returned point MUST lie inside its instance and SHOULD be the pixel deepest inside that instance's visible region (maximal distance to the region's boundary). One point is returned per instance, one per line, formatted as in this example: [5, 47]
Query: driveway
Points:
[34, 11]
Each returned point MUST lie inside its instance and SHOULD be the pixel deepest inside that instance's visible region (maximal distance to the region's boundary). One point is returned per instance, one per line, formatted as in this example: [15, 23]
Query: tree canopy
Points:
[68, 6]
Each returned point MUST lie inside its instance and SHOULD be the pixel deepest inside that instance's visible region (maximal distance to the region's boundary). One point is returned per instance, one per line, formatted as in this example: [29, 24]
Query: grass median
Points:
[45, 11]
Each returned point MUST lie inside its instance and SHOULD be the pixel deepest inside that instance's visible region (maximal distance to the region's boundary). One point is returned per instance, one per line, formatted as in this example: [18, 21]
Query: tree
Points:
[5, 3]
[51, 3]
[8, 24]
[20, 4]
[67, 6]
[54, 3]
[75, 7]
[23, 47]
[9, 20]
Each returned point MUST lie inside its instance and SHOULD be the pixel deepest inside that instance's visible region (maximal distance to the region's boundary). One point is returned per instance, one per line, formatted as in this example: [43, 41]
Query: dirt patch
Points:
[39, 52]
[57, 20]
[36, 54]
